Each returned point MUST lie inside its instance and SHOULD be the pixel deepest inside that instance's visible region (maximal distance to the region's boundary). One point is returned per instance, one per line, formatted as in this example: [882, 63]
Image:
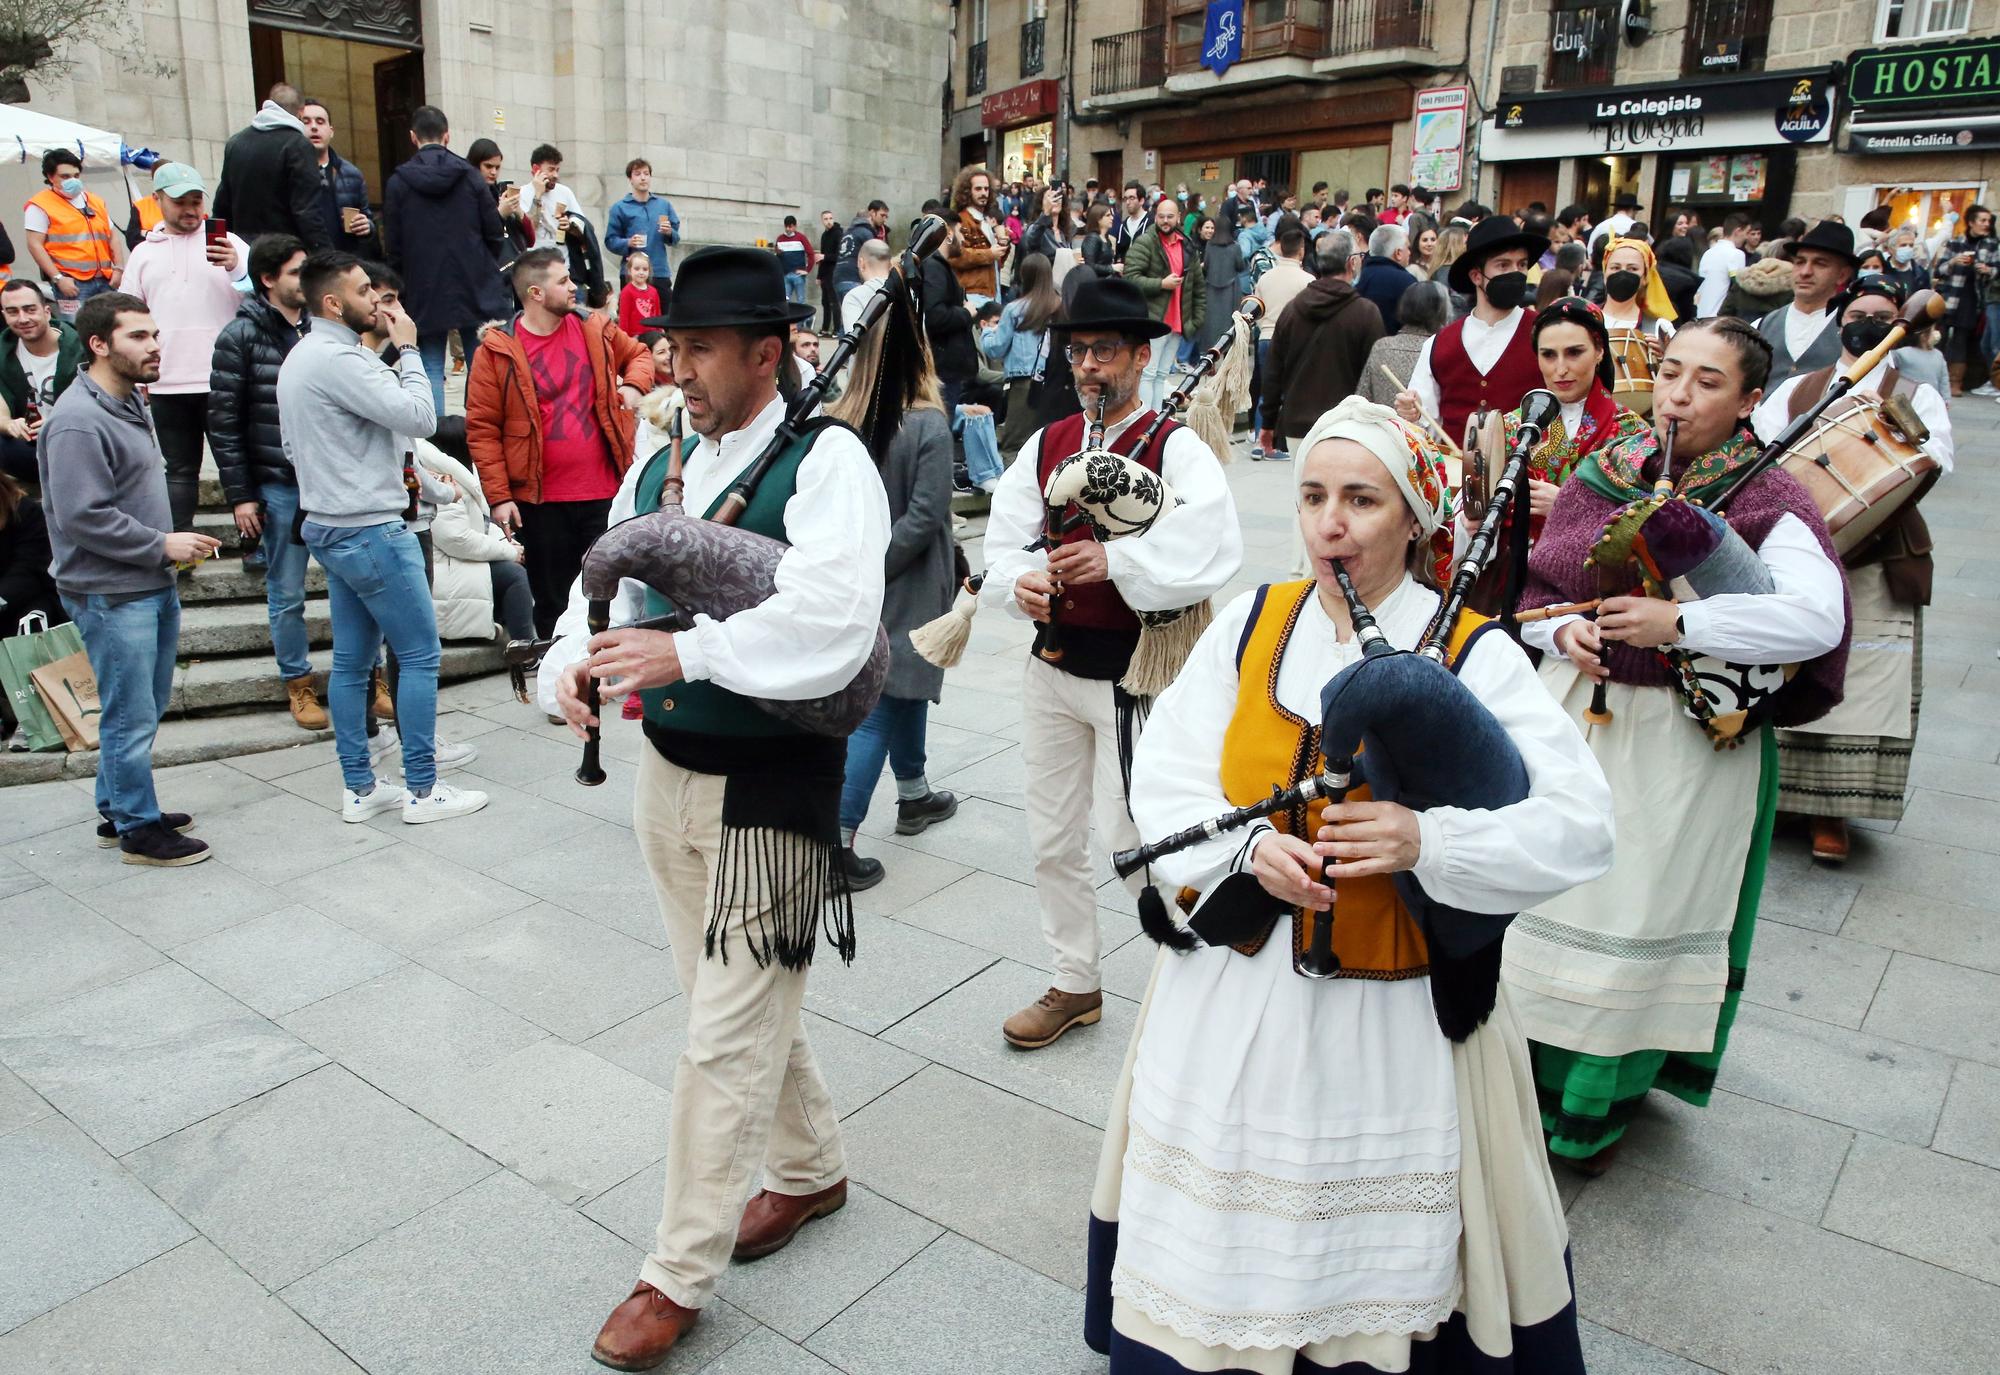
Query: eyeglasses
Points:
[1104, 351]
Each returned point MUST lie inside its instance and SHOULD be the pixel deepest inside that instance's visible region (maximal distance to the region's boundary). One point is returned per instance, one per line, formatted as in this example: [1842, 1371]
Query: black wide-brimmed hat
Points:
[1626, 201]
[1827, 237]
[1111, 303]
[1494, 234]
[718, 287]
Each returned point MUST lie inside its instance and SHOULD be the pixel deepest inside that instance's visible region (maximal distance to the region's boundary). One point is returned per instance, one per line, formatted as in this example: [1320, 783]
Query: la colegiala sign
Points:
[1794, 107]
[1945, 77]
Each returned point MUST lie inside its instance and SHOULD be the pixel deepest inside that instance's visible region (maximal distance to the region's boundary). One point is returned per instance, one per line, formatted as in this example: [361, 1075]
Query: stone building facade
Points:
[747, 112]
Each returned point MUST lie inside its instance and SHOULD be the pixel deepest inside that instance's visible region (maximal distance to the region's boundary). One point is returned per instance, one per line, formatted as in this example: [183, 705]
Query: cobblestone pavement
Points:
[397, 1099]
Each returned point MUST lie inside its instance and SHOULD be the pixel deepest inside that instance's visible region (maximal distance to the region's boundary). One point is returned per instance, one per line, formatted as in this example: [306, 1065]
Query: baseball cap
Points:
[177, 179]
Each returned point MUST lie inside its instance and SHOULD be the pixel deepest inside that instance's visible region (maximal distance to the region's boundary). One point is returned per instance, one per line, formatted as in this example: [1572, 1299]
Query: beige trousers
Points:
[1069, 744]
[747, 1094]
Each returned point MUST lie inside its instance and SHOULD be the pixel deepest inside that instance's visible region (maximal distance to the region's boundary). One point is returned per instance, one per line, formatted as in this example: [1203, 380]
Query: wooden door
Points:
[399, 90]
[1522, 183]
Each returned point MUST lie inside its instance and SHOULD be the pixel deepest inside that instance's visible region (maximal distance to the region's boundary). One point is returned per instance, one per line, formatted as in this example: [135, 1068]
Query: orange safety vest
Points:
[1373, 932]
[148, 210]
[79, 243]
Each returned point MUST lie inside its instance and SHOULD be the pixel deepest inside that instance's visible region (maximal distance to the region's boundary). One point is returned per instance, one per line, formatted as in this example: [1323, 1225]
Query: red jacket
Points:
[503, 417]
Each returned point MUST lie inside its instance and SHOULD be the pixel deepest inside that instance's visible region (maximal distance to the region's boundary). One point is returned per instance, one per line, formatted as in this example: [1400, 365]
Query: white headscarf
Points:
[1414, 464]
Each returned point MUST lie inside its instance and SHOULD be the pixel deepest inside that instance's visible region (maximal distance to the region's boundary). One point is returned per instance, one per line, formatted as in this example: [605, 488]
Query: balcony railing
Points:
[1271, 28]
[1726, 36]
[1032, 34]
[1130, 61]
[975, 68]
[1360, 26]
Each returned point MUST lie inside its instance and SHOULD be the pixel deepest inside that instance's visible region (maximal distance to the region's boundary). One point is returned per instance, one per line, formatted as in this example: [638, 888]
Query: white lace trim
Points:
[1281, 1331]
[1291, 1200]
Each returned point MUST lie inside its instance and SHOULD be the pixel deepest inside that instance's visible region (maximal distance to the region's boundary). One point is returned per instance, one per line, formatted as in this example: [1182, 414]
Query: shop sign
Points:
[1809, 115]
[1723, 55]
[1761, 94]
[1635, 18]
[1934, 75]
[1578, 34]
[1437, 143]
[1019, 104]
[1222, 35]
[1965, 138]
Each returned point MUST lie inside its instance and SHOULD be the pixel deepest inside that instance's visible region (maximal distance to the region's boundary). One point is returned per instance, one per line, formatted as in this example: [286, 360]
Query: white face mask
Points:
[1905, 253]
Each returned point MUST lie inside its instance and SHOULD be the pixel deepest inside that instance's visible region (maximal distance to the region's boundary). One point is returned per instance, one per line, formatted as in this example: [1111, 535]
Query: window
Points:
[1726, 36]
[1583, 43]
[1923, 18]
[979, 21]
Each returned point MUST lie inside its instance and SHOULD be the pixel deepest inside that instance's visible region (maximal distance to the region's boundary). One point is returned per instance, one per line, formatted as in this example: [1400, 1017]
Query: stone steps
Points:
[226, 580]
[209, 685]
[214, 629]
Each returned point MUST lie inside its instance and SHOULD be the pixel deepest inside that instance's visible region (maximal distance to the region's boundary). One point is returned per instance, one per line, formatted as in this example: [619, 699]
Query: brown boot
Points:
[771, 1220]
[379, 701]
[642, 1330]
[1829, 838]
[306, 709]
[1050, 1016]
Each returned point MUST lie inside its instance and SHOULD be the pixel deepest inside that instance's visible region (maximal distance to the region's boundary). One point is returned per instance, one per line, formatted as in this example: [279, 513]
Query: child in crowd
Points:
[640, 299]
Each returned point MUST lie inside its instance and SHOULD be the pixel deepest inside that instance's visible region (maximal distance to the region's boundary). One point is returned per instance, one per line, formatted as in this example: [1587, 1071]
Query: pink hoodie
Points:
[191, 300]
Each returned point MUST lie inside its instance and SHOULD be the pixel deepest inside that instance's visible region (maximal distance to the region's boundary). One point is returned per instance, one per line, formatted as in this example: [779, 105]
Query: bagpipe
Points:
[710, 567]
[1401, 722]
[1670, 546]
[1114, 496]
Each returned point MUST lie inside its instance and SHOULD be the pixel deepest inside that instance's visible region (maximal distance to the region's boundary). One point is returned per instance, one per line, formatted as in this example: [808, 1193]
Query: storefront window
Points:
[1027, 152]
[1583, 43]
[1925, 207]
[1758, 181]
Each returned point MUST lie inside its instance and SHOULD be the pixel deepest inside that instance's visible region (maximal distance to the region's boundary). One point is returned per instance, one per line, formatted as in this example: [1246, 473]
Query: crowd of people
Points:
[1514, 977]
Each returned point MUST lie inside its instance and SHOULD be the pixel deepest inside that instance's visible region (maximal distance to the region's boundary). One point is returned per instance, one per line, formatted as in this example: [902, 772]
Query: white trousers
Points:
[1158, 378]
[747, 1093]
[1069, 744]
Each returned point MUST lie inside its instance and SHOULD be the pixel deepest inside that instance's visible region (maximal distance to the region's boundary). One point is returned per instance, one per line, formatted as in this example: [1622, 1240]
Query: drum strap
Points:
[1903, 545]
[1813, 386]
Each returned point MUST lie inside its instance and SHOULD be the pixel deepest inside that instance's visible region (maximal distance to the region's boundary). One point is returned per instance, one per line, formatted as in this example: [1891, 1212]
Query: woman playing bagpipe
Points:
[1630, 983]
[1338, 1173]
[1855, 761]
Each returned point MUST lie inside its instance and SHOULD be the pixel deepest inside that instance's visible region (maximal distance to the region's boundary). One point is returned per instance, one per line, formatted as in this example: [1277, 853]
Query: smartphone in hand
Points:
[216, 232]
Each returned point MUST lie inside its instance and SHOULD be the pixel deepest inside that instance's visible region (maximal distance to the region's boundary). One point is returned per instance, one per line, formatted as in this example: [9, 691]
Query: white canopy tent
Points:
[24, 136]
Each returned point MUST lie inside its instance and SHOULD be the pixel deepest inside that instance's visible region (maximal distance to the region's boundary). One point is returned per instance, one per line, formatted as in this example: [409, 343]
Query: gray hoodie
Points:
[340, 411]
[104, 492]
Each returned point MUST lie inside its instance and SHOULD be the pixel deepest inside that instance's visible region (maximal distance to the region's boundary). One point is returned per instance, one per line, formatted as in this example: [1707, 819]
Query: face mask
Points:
[1622, 286]
[1859, 336]
[1507, 290]
[72, 187]
[1905, 253]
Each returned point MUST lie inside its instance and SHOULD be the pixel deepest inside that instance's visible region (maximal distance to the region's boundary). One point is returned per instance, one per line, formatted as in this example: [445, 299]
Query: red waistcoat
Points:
[1097, 605]
[1463, 389]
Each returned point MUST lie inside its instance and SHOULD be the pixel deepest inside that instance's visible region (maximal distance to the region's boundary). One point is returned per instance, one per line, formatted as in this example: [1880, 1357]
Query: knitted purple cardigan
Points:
[1556, 574]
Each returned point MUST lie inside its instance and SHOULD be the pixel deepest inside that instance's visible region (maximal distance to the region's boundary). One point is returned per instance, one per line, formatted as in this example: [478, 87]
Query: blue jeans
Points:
[285, 578]
[1989, 344]
[795, 288]
[1257, 411]
[895, 730]
[433, 350]
[982, 448]
[375, 588]
[131, 648]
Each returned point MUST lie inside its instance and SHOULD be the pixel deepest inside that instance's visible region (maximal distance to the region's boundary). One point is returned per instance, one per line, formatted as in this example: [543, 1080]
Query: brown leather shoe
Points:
[770, 1221]
[1050, 1016]
[1829, 838]
[642, 1330]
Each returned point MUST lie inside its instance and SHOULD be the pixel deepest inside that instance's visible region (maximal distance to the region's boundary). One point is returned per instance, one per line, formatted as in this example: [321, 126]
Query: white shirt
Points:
[817, 628]
[856, 301]
[1619, 224]
[1483, 861]
[1484, 344]
[1717, 265]
[1802, 618]
[1803, 328]
[41, 374]
[1188, 555]
[37, 219]
[540, 210]
[1774, 412]
[1278, 288]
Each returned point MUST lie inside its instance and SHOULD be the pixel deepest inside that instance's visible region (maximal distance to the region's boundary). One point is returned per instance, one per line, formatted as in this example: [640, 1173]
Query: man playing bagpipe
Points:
[1116, 609]
[737, 812]
[1855, 760]
[1340, 1173]
[1631, 982]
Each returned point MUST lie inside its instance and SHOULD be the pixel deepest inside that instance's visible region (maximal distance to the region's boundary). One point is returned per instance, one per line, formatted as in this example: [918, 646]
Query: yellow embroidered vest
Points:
[1373, 932]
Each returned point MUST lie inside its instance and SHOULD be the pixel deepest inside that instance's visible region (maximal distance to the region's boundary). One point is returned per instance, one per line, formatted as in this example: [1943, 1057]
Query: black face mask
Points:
[1622, 286]
[1859, 336]
[1507, 290]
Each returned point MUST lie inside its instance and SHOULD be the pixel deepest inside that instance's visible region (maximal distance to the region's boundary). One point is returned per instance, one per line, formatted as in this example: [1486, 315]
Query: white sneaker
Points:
[444, 803]
[448, 755]
[1986, 389]
[386, 797]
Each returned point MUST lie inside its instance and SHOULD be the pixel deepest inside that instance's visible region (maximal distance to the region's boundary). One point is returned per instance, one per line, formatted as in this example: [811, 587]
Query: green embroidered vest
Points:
[703, 707]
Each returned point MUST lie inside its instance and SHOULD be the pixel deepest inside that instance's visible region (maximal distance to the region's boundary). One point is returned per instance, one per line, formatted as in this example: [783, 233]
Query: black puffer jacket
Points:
[243, 400]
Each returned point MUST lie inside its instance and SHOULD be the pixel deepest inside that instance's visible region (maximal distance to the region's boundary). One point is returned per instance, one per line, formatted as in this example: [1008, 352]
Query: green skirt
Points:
[1586, 1100]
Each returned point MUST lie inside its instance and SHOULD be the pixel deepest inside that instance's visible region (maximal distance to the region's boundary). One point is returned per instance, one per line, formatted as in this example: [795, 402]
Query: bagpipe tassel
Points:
[1163, 649]
[942, 642]
[1155, 922]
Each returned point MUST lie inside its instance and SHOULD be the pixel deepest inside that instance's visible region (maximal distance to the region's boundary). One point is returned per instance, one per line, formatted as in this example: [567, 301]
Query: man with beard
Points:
[548, 417]
[343, 413]
[104, 492]
[1485, 359]
[979, 244]
[1079, 721]
[736, 812]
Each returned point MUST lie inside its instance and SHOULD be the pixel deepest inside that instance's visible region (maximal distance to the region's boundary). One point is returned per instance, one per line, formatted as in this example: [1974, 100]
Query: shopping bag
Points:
[20, 656]
[69, 690]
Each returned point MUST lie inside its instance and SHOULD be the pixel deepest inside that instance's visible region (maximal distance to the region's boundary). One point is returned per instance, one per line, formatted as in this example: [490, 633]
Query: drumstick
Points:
[1549, 613]
[1434, 426]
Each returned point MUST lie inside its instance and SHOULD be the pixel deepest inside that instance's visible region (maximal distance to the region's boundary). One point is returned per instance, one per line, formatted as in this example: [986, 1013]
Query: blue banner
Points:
[1222, 35]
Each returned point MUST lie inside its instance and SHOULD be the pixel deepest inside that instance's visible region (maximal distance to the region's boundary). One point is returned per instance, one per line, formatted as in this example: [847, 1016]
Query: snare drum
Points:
[1859, 468]
[1632, 371]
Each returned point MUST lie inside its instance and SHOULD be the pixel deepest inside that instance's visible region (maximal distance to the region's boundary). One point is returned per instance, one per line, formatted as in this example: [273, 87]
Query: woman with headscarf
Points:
[1637, 311]
[1314, 1174]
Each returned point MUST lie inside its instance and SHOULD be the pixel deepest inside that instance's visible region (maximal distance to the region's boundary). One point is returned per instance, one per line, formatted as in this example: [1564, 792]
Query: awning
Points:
[1902, 135]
